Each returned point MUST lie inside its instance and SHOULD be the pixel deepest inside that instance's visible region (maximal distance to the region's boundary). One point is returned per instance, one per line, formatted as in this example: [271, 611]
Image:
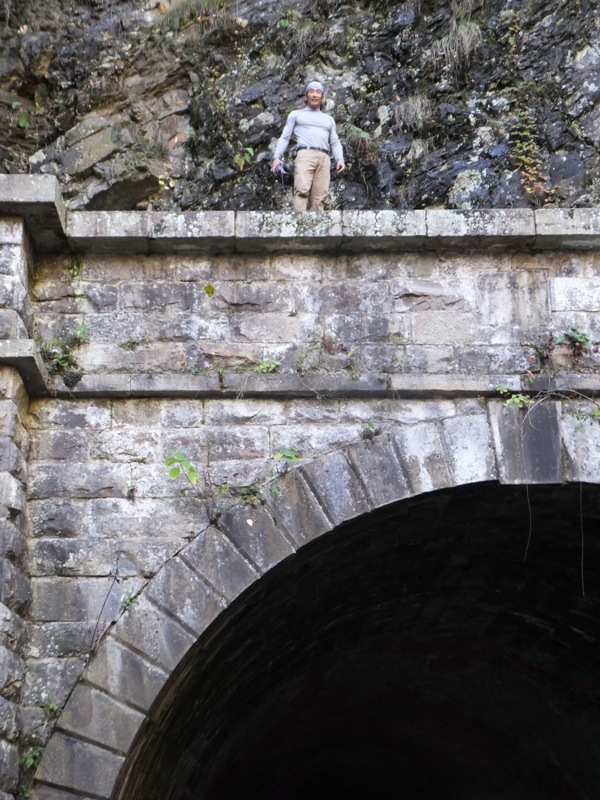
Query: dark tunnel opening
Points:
[410, 653]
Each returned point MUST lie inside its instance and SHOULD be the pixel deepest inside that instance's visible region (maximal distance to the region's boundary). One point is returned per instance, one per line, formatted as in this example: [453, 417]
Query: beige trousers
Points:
[311, 180]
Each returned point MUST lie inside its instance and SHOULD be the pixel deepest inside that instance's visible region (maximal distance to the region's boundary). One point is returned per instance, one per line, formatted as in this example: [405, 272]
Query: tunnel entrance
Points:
[409, 654]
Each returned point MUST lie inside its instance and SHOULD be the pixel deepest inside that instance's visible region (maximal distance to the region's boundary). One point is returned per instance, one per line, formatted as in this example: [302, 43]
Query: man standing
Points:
[315, 135]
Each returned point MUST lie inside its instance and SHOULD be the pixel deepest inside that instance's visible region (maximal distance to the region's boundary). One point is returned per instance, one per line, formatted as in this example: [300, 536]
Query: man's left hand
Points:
[340, 166]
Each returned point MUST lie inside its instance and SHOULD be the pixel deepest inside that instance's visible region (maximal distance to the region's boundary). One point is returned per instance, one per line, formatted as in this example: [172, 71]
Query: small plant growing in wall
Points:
[58, 353]
[576, 341]
[514, 398]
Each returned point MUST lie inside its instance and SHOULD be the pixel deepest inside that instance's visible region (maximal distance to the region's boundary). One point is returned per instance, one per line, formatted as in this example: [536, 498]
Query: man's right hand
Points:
[275, 164]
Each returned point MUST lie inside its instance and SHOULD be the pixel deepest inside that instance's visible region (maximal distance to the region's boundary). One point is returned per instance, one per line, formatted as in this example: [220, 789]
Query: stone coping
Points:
[37, 199]
[23, 355]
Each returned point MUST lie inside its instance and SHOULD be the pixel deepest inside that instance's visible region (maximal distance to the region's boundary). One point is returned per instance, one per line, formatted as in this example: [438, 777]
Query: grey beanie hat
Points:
[315, 85]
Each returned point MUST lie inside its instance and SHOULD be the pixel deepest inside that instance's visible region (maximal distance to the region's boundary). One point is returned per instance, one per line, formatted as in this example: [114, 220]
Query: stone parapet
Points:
[37, 199]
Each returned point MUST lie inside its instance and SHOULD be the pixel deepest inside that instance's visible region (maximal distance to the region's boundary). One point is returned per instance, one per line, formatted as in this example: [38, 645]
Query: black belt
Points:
[306, 147]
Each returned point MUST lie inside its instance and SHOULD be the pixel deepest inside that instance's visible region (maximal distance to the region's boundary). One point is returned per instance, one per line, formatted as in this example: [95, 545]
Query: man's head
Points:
[314, 94]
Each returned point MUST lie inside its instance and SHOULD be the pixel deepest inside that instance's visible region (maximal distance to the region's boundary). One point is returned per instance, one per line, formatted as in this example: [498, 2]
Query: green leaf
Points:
[193, 476]
[170, 461]
[209, 289]
[175, 472]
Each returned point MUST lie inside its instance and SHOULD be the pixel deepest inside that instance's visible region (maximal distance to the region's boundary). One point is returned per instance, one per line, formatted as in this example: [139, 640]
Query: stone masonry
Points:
[311, 368]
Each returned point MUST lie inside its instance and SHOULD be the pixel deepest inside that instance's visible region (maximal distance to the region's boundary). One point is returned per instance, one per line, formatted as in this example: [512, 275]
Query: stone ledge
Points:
[37, 198]
[23, 355]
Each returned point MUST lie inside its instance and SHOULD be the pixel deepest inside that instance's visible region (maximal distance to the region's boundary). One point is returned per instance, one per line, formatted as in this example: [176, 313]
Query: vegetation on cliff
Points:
[462, 104]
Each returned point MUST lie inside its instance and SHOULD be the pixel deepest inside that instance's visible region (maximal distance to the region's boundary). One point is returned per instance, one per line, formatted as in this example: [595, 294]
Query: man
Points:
[315, 135]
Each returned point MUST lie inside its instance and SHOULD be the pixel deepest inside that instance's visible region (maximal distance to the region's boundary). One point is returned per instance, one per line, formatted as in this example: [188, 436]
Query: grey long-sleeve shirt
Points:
[312, 129]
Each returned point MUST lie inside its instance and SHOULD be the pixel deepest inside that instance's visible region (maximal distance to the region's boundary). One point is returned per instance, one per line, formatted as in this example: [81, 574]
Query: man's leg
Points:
[304, 169]
[320, 183]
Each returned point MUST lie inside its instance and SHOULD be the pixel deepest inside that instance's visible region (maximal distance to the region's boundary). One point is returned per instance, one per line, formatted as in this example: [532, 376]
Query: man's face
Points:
[314, 97]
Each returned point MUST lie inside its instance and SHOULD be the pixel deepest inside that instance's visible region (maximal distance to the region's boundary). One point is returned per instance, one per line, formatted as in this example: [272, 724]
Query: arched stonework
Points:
[494, 442]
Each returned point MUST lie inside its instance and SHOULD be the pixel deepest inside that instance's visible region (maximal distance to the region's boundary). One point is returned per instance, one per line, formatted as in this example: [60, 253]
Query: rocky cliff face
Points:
[462, 104]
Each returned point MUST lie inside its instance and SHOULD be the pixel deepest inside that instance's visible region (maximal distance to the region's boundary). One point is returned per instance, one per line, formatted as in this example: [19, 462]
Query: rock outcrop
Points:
[469, 104]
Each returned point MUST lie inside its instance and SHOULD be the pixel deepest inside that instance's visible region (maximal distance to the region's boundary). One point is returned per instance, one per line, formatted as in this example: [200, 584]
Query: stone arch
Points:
[99, 732]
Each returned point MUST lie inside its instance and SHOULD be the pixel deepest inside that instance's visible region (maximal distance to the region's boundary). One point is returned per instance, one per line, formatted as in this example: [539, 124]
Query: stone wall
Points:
[369, 347]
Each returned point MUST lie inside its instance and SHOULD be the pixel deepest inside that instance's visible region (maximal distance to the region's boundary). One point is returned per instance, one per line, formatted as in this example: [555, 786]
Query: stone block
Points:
[80, 158]
[11, 672]
[59, 639]
[37, 199]
[181, 592]
[58, 599]
[567, 228]
[294, 507]
[53, 678]
[80, 766]
[422, 456]
[108, 232]
[12, 325]
[93, 715]
[125, 675]
[50, 479]
[9, 766]
[495, 229]
[254, 533]
[12, 495]
[12, 388]
[575, 294]
[16, 589]
[469, 449]
[147, 629]
[11, 629]
[528, 442]
[337, 486]
[36, 724]
[285, 231]
[12, 228]
[11, 459]
[383, 230]
[449, 327]
[191, 232]
[214, 557]
[10, 725]
[380, 470]
[13, 294]
[56, 517]
[581, 440]
[23, 355]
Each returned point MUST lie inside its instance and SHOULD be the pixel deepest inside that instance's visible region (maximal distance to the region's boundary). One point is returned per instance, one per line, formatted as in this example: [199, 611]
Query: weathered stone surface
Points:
[383, 230]
[38, 199]
[124, 674]
[12, 325]
[581, 440]
[421, 453]
[16, 590]
[50, 677]
[262, 231]
[528, 442]
[337, 486]
[149, 630]
[84, 767]
[295, 507]
[379, 467]
[220, 563]
[575, 294]
[469, 449]
[96, 716]
[181, 592]
[488, 228]
[9, 720]
[9, 766]
[577, 228]
[23, 355]
[254, 533]
[63, 600]
[11, 671]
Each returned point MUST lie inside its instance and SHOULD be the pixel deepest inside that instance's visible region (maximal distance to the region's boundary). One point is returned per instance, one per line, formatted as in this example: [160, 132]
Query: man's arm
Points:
[336, 149]
[284, 141]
